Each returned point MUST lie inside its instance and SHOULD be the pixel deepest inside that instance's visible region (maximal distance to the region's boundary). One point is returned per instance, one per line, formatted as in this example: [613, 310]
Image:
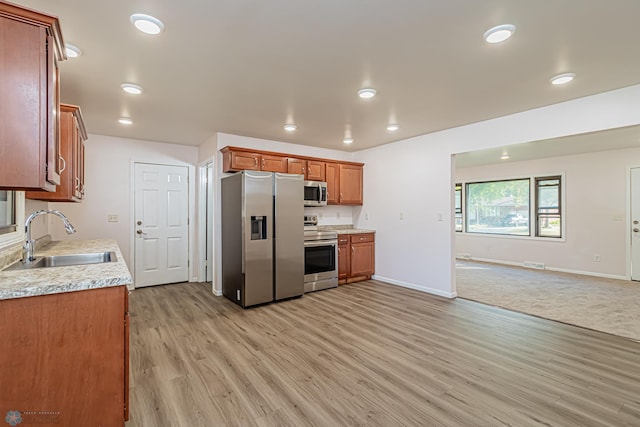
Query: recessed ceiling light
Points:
[562, 79]
[72, 51]
[505, 157]
[290, 127]
[131, 88]
[125, 121]
[499, 33]
[146, 23]
[366, 93]
[392, 127]
[347, 140]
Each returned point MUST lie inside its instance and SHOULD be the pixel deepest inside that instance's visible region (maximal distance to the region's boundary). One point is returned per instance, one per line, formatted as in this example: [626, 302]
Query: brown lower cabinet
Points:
[356, 257]
[66, 358]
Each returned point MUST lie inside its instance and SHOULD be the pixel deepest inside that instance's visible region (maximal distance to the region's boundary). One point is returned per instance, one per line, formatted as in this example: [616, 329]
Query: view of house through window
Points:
[548, 207]
[498, 207]
[7, 212]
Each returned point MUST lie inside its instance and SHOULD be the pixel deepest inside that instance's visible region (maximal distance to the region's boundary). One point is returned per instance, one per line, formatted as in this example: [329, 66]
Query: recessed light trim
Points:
[147, 23]
[72, 51]
[392, 127]
[290, 127]
[562, 79]
[367, 93]
[348, 140]
[125, 121]
[131, 88]
[499, 33]
[505, 157]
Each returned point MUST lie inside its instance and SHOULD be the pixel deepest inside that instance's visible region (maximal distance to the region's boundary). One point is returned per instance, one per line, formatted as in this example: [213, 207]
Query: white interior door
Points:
[161, 224]
[635, 224]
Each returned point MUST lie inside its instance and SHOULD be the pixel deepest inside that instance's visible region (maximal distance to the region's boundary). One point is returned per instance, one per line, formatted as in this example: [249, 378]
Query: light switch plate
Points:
[112, 218]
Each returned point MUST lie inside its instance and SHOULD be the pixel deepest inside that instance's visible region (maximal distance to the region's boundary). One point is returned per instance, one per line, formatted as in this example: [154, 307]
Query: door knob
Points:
[635, 222]
[139, 222]
[635, 230]
[139, 231]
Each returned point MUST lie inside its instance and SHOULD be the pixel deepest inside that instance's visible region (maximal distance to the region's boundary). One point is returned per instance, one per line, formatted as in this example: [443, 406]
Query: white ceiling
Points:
[248, 66]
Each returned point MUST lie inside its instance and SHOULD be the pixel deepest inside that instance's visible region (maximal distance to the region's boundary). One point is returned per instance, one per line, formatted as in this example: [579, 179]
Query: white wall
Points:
[108, 183]
[596, 201]
[415, 176]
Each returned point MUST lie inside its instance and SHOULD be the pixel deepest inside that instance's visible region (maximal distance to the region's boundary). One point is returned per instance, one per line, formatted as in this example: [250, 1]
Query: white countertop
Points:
[354, 231]
[53, 280]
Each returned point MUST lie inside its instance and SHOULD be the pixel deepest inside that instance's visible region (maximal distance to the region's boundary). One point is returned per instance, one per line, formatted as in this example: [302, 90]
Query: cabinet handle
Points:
[262, 163]
[338, 250]
[77, 184]
[64, 163]
[353, 250]
[255, 161]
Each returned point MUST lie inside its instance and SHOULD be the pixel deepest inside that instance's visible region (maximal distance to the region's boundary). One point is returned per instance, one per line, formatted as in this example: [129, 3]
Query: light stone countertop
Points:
[344, 229]
[53, 280]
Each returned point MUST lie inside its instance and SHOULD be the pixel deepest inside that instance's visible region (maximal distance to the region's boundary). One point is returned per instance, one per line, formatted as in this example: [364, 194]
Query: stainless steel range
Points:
[320, 256]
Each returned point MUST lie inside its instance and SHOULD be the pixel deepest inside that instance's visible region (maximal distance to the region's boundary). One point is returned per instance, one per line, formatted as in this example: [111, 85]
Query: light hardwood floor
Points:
[370, 353]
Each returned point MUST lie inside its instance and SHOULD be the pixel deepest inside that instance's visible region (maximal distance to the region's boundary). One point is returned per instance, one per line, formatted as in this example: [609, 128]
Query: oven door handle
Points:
[320, 243]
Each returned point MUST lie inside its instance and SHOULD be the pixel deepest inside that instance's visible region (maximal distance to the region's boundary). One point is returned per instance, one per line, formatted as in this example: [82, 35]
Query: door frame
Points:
[628, 218]
[206, 185]
[192, 272]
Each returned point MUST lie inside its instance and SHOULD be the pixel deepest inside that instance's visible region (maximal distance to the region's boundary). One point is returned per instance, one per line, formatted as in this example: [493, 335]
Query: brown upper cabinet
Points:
[344, 179]
[72, 137]
[350, 184]
[31, 46]
[238, 160]
[313, 170]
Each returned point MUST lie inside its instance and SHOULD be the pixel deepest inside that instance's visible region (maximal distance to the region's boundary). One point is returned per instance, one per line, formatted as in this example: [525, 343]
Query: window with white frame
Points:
[521, 207]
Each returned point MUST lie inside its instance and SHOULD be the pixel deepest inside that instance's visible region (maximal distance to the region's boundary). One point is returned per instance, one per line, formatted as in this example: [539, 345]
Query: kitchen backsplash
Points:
[332, 214]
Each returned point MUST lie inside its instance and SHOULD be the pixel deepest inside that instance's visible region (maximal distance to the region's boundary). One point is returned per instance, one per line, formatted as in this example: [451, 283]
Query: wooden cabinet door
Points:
[29, 51]
[274, 163]
[241, 160]
[332, 177]
[72, 135]
[350, 184]
[344, 258]
[315, 170]
[362, 259]
[66, 356]
[298, 166]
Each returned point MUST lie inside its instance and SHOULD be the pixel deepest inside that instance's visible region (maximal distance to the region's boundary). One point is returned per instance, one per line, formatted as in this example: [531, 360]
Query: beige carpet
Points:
[606, 305]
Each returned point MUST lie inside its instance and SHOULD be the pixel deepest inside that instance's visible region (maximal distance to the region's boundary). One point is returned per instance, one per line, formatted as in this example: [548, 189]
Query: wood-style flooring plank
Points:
[369, 354]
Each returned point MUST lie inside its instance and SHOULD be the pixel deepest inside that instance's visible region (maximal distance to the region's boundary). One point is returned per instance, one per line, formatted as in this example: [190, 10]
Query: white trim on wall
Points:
[413, 286]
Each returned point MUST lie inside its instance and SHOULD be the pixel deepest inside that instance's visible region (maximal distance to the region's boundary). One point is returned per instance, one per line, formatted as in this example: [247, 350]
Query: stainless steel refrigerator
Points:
[262, 237]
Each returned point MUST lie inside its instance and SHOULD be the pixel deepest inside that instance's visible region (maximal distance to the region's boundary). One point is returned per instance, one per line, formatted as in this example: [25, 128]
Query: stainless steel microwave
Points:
[315, 193]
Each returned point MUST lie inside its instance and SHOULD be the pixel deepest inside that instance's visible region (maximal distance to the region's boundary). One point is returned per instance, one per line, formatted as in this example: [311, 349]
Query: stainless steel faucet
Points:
[27, 249]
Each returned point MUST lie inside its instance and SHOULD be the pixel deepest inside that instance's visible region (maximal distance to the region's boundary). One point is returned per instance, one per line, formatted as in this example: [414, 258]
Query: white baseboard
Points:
[558, 269]
[415, 287]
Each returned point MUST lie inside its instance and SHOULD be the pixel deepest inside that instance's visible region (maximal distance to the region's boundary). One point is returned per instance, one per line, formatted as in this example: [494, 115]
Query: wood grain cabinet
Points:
[72, 137]
[31, 46]
[350, 182]
[240, 159]
[344, 179]
[332, 178]
[66, 355]
[356, 257]
[313, 170]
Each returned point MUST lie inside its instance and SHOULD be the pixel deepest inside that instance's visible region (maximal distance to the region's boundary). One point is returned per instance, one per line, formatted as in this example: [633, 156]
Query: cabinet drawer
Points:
[343, 239]
[361, 238]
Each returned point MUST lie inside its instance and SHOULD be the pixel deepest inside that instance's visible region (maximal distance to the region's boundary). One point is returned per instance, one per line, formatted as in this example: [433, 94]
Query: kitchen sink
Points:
[65, 260]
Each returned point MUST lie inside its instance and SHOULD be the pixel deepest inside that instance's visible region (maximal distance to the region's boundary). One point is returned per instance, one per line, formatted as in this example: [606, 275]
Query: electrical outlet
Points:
[366, 216]
[338, 214]
[112, 218]
[596, 258]
[401, 216]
